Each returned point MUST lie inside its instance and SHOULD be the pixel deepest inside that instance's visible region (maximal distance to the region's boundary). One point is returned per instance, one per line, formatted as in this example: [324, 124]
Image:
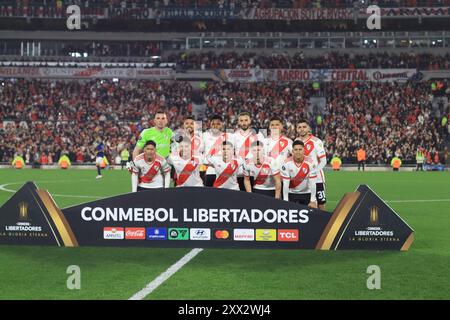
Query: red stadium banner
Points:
[91, 73]
[241, 75]
[301, 14]
[320, 75]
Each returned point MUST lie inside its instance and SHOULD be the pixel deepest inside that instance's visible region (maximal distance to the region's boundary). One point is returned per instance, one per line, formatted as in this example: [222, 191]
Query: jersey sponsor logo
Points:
[135, 233]
[309, 146]
[200, 234]
[288, 235]
[244, 234]
[178, 234]
[156, 233]
[266, 235]
[113, 233]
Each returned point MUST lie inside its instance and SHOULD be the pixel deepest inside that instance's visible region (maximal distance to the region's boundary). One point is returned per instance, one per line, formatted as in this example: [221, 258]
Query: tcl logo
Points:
[135, 233]
[288, 235]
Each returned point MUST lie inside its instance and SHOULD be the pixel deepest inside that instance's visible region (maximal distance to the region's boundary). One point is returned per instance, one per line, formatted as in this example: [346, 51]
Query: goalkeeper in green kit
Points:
[160, 134]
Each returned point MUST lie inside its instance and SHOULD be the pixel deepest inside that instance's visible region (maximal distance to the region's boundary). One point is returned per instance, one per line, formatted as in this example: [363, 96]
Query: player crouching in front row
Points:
[265, 172]
[299, 177]
[226, 167]
[148, 170]
[187, 166]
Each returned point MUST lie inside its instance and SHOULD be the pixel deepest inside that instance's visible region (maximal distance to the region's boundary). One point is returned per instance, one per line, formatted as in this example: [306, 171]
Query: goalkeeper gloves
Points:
[131, 166]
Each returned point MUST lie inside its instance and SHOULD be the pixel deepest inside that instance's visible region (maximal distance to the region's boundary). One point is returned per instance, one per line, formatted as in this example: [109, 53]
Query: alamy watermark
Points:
[74, 279]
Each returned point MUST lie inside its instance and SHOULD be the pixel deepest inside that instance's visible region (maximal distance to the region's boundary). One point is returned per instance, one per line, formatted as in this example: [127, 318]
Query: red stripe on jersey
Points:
[279, 147]
[195, 145]
[226, 174]
[324, 155]
[217, 145]
[151, 173]
[245, 148]
[263, 174]
[301, 175]
[187, 171]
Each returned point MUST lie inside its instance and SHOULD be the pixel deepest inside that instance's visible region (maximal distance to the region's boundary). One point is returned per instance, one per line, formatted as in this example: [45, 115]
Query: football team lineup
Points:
[245, 160]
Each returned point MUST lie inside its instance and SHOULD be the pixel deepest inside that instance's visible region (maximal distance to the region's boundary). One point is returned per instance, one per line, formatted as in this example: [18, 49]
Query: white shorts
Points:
[98, 161]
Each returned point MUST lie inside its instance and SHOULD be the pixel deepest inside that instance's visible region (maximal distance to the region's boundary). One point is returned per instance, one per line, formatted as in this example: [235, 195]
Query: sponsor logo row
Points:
[283, 235]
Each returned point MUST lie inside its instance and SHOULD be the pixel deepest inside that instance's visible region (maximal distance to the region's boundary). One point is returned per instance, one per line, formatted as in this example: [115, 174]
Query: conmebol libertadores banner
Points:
[205, 218]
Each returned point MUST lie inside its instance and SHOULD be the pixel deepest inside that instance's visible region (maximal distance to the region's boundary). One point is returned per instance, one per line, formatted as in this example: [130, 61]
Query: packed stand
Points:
[233, 60]
[44, 119]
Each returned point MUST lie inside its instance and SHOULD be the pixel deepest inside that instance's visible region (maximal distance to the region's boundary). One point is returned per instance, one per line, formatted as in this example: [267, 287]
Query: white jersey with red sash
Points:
[279, 149]
[315, 151]
[213, 145]
[262, 173]
[187, 171]
[150, 173]
[298, 174]
[226, 172]
[242, 145]
[196, 146]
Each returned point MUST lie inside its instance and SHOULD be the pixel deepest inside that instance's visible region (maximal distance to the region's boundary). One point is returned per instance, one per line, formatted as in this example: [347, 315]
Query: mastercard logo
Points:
[222, 234]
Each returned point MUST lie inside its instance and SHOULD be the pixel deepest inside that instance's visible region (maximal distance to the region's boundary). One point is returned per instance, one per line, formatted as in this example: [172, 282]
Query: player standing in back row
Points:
[160, 134]
[315, 151]
[277, 146]
[243, 139]
[213, 140]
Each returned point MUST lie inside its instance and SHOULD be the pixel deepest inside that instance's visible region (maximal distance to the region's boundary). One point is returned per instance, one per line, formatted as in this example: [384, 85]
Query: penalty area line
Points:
[4, 188]
[150, 287]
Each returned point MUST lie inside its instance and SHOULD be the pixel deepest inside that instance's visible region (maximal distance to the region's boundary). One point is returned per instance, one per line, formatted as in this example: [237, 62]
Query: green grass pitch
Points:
[118, 273]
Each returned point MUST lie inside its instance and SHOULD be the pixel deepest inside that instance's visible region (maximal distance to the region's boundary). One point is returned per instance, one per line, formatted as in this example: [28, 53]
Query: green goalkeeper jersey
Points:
[161, 138]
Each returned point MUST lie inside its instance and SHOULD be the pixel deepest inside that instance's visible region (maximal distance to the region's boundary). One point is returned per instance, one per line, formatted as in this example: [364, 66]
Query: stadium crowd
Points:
[233, 60]
[44, 119]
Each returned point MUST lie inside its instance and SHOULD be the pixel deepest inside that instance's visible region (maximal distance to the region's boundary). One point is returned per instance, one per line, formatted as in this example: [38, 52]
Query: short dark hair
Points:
[244, 113]
[298, 143]
[303, 120]
[227, 143]
[150, 142]
[189, 118]
[160, 111]
[216, 117]
[275, 118]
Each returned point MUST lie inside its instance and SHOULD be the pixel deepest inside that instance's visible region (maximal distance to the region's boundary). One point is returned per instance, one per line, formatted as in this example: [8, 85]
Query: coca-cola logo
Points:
[135, 233]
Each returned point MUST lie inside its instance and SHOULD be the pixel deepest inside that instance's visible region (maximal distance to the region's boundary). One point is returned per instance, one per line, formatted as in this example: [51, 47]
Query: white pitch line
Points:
[149, 288]
[3, 188]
